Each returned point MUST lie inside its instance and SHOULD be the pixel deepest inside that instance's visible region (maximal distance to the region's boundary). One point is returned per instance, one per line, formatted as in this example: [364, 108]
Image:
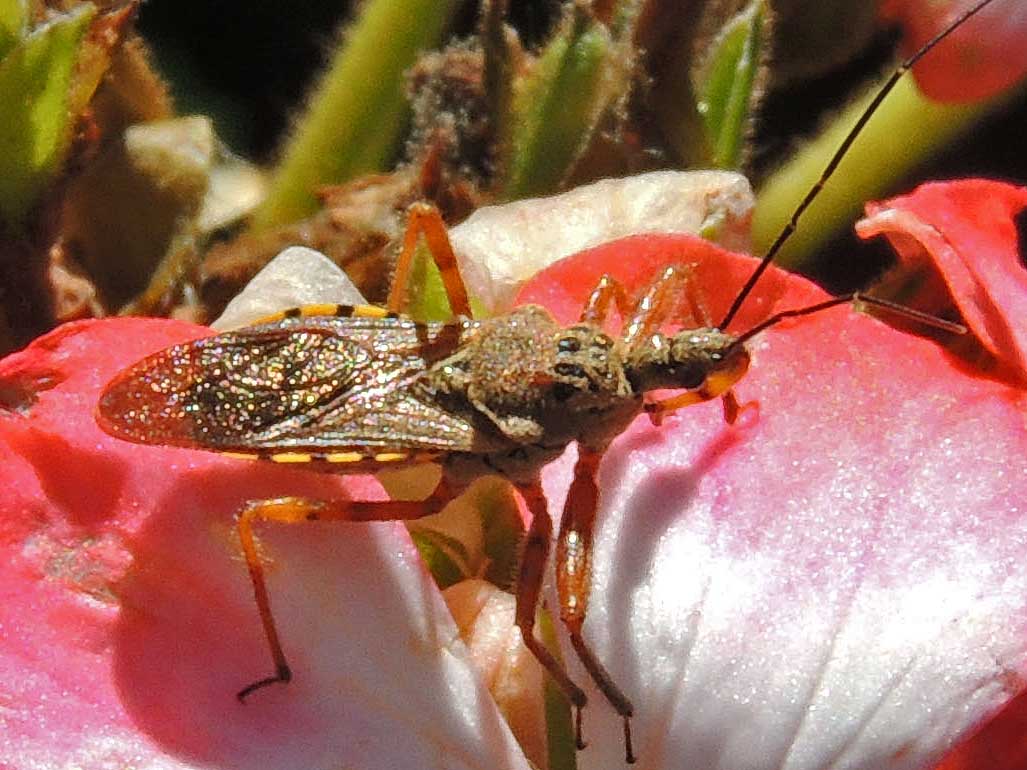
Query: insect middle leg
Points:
[292, 510]
[657, 304]
[529, 586]
[574, 579]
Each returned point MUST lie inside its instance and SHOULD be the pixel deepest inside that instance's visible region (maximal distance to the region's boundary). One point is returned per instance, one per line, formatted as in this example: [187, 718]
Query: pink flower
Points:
[128, 620]
[962, 237]
[838, 580]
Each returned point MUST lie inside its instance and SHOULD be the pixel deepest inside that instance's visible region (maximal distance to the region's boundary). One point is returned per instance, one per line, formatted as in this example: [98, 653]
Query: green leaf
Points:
[358, 111]
[13, 20]
[36, 127]
[556, 107]
[426, 293]
[725, 84]
[502, 531]
[479, 535]
[445, 557]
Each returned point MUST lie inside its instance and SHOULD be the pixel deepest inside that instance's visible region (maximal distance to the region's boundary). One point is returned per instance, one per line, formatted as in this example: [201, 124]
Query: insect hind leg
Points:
[293, 510]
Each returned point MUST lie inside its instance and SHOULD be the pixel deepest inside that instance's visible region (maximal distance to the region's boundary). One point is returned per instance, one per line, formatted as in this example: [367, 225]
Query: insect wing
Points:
[310, 384]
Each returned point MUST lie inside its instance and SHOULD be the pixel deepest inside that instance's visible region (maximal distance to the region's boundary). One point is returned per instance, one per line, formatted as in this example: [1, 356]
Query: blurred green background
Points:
[251, 64]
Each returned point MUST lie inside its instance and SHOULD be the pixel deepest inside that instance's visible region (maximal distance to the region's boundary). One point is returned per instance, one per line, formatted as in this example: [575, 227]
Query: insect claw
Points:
[655, 414]
[283, 675]
[249, 689]
[731, 407]
[629, 751]
[579, 738]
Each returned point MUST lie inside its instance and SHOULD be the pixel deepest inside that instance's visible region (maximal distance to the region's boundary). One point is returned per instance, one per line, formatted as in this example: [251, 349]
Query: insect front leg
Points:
[529, 585]
[652, 311]
[657, 304]
[424, 219]
[657, 410]
[574, 579]
[292, 510]
[608, 290]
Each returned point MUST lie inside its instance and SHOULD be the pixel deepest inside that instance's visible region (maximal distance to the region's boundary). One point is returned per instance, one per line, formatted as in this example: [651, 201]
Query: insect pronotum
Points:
[348, 389]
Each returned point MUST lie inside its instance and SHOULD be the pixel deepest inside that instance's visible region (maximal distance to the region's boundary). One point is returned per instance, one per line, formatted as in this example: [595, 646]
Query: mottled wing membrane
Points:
[299, 385]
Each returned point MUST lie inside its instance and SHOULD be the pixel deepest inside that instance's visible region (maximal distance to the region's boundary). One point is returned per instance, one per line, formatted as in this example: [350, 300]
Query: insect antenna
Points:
[829, 170]
[857, 299]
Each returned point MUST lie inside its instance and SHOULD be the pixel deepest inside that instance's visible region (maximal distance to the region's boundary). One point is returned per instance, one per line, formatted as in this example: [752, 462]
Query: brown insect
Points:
[347, 389]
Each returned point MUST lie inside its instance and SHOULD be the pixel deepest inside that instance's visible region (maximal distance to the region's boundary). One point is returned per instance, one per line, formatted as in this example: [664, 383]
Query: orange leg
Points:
[597, 309]
[529, 584]
[657, 304]
[660, 409]
[652, 312]
[424, 219]
[292, 510]
[707, 392]
[574, 579]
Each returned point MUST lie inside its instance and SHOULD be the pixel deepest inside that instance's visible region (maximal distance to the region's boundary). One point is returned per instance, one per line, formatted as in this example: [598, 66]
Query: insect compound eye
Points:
[568, 345]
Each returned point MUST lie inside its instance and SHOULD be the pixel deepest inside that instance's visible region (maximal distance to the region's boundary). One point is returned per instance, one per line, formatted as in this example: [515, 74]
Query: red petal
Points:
[984, 57]
[965, 231]
[128, 622]
[841, 580]
[1000, 745]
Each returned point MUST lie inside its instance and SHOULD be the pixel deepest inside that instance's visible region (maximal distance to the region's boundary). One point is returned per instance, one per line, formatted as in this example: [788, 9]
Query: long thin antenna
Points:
[857, 299]
[843, 148]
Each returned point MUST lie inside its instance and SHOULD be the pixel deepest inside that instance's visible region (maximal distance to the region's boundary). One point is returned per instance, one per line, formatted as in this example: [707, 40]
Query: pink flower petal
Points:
[838, 581]
[128, 621]
[983, 58]
[964, 231]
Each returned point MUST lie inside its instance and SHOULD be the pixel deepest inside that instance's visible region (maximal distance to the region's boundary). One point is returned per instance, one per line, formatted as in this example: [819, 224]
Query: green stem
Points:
[906, 131]
[353, 123]
[559, 720]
